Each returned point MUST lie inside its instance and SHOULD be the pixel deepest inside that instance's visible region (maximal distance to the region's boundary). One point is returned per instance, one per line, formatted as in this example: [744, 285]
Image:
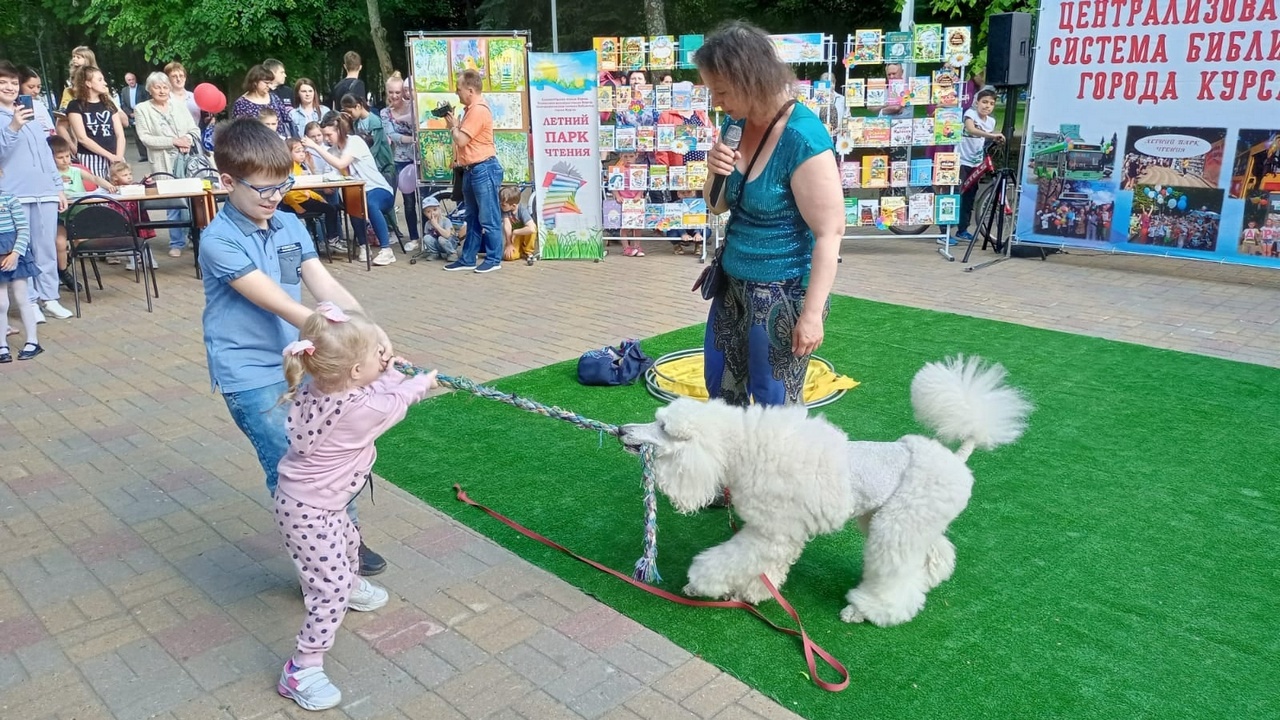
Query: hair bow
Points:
[332, 312]
[299, 347]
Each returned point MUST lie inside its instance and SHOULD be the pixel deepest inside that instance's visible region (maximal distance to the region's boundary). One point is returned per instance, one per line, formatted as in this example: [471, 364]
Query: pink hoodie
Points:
[331, 437]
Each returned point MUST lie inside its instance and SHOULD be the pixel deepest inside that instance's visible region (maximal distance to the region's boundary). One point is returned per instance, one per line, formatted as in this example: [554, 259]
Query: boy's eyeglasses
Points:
[268, 192]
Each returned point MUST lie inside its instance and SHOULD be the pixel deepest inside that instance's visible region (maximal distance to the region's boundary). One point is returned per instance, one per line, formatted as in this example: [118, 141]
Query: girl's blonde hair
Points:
[338, 346]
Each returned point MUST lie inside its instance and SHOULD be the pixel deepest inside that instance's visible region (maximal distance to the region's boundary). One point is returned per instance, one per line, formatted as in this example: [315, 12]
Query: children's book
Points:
[822, 93]
[958, 41]
[664, 137]
[920, 209]
[868, 211]
[946, 168]
[877, 92]
[875, 171]
[646, 139]
[948, 126]
[662, 97]
[625, 138]
[607, 141]
[682, 96]
[945, 88]
[621, 99]
[899, 92]
[855, 93]
[637, 177]
[946, 210]
[920, 89]
[897, 47]
[633, 214]
[867, 48]
[851, 174]
[607, 53]
[928, 41]
[900, 132]
[695, 213]
[701, 98]
[632, 54]
[612, 214]
[877, 132]
[851, 212]
[662, 52]
[922, 131]
[677, 179]
[921, 173]
[604, 98]
[658, 177]
[672, 216]
[856, 129]
[653, 215]
[893, 210]
[617, 178]
[803, 90]
[899, 173]
[697, 174]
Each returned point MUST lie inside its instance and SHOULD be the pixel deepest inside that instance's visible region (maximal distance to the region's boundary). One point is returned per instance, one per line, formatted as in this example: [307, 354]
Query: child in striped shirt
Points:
[16, 265]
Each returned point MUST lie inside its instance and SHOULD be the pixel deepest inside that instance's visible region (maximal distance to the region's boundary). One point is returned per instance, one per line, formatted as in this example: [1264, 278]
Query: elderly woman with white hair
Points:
[166, 128]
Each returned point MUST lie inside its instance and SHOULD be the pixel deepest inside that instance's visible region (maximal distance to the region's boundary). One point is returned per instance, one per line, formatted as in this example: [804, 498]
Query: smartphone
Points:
[27, 102]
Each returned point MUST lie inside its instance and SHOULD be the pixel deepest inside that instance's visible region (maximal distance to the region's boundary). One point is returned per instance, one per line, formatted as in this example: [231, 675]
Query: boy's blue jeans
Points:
[261, 417]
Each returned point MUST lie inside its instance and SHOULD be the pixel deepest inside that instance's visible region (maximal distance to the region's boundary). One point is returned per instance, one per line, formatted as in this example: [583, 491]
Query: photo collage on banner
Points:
[654, 134]
[566, 160]
[503, 63]
[1162, 142]
[903, 119]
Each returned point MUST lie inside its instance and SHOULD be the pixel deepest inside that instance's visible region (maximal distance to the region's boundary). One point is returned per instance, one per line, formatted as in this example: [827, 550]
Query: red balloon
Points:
[209, 98]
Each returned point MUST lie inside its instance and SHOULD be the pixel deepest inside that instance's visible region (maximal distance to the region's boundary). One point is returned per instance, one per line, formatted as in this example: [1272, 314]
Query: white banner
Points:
[1154, 127]
[566, 154]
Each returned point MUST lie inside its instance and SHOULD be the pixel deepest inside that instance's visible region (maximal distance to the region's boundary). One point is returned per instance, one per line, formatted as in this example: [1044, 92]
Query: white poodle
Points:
[792, 477]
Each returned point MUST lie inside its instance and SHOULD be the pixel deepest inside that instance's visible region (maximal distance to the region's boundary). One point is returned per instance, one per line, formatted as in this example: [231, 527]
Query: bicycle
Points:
[993, 207]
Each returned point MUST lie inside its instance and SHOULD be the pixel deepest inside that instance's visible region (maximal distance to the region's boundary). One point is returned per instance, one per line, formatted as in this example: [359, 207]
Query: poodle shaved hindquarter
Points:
[793, 477]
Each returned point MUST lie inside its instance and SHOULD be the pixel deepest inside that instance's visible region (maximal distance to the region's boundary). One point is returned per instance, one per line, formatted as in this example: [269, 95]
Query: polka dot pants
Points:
[325, 548]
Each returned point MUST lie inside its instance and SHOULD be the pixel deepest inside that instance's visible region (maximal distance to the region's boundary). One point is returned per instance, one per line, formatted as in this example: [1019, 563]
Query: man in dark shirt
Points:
[351, 84]
[278, 84]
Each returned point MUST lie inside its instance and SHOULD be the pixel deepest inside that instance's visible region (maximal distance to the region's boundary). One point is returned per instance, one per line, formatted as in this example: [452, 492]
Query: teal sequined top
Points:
[767, 239]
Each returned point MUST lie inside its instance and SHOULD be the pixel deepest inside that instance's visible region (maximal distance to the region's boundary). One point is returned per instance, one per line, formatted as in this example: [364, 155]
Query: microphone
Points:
[732, 138]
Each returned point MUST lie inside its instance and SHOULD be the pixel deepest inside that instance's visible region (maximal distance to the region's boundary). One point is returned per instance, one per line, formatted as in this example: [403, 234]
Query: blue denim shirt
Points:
[767, 239]
[242, 341]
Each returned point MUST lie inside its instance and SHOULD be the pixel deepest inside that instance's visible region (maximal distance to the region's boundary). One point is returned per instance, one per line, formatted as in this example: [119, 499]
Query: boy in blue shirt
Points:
[255, 262]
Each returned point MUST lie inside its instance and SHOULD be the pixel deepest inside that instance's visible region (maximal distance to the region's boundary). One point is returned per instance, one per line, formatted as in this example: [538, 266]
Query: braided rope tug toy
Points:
[646, 569]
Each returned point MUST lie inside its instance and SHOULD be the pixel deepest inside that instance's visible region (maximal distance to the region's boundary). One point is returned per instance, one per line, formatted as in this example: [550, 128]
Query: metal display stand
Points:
[911, 151]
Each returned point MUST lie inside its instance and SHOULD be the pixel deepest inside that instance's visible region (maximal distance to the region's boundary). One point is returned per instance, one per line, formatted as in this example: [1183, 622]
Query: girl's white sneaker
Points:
[309, 687]
[366, 596]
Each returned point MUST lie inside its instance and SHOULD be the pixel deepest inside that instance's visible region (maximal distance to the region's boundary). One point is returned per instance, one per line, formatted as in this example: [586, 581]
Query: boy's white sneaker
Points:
[309, 687]
[385, 256]
[366, 596]
[54, 308]
[411, 245]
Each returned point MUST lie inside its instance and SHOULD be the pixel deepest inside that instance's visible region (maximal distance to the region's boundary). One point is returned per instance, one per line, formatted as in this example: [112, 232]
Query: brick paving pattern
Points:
[140, 575]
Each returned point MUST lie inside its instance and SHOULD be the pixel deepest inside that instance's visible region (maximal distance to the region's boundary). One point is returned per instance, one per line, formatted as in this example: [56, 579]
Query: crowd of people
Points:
[312, 388]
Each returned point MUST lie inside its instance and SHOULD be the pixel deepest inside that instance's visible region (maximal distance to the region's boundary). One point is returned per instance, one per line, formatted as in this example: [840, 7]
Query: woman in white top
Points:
[306, 105]
[167, 130]
[348, 153]
[178, 90]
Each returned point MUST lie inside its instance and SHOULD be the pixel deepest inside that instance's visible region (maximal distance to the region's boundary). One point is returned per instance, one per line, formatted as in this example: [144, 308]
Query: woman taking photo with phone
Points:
[786, 221]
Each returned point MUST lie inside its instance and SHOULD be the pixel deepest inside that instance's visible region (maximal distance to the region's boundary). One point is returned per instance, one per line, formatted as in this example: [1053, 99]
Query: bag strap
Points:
[733, 211]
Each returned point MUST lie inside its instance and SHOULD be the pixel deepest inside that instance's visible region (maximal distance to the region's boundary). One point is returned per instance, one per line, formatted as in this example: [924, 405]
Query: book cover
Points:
[899, 173]
[646, 139]
[632, 54]
[637, 177]
[643, 97]
[877, 92]
[625, 138]
[868, 211]
[653, 215]
[633, 214]
[959, 40]
[621, 99]
[664, 137]
[856, 129]
[658, 177]
[604, 98]
[677, 179]
[851, 212]
[607, 141]
[875, 171]
[928, 41]
[682, 96]
[878, 131]
[851, 174]
[706, 139]
[898, 92]
[689, 45]
[697, 174]
[920, 88]
[617, 179]
[672, 216]
[823, 93]
[867, 48]
[855, 93]
[893, 210]
[662, 97]
[920, 209]
[897, 47]
[945, 83]
[695, 213]
[612, 214]
[922, 131]
[921, 172]
[606, 53]
[946, 210]
[900, 132]
[662, 52]
[948, 126]
[701, 98]
[803, 90]
[946, 168]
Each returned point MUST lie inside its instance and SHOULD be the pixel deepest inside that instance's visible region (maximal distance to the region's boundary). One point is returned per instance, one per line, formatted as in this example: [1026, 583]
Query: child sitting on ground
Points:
[440, 241]
[350, 397]
[519, 231]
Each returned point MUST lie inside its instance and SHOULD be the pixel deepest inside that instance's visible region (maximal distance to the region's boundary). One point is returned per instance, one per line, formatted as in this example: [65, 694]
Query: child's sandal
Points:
[677, 249]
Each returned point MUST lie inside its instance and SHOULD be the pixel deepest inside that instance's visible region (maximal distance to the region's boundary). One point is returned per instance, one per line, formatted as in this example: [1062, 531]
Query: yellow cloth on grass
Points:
[683, 376]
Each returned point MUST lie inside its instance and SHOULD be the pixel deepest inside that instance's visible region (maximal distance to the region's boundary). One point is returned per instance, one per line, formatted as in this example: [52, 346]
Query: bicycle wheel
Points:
[448, 207]
[988, 207]
[906, 192]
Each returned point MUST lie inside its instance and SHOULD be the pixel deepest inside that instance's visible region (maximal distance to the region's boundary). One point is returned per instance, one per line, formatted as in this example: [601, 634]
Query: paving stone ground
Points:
[140, 575]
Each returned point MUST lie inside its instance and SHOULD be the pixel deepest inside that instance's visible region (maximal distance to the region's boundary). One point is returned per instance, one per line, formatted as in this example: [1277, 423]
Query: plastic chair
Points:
[99, 228]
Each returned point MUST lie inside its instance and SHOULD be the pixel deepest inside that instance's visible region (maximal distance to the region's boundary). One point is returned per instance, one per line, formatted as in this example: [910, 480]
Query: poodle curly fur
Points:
[793, 477]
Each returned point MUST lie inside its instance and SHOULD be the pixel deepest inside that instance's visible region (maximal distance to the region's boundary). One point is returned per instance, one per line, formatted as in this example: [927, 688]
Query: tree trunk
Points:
[655, 17]
[379, 38]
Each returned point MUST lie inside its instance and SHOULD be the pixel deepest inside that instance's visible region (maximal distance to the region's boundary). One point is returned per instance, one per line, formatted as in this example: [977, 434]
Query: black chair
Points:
[100, 228]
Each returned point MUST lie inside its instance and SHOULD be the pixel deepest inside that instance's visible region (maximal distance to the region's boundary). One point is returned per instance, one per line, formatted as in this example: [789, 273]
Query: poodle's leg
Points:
[893, 583]
[733, 568]
[939, 562]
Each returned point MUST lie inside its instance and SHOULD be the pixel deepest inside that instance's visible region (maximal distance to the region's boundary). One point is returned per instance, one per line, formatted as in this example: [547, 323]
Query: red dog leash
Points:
[810, 647]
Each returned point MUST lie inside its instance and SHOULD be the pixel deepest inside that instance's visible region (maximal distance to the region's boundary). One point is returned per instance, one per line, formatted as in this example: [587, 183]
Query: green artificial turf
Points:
[1120, 561]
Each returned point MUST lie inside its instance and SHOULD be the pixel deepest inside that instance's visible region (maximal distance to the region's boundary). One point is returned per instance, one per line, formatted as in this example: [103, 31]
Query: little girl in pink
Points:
[349, 399]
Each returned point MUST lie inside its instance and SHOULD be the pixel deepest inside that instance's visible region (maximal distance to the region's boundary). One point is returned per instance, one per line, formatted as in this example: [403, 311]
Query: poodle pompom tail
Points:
[964, 400]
